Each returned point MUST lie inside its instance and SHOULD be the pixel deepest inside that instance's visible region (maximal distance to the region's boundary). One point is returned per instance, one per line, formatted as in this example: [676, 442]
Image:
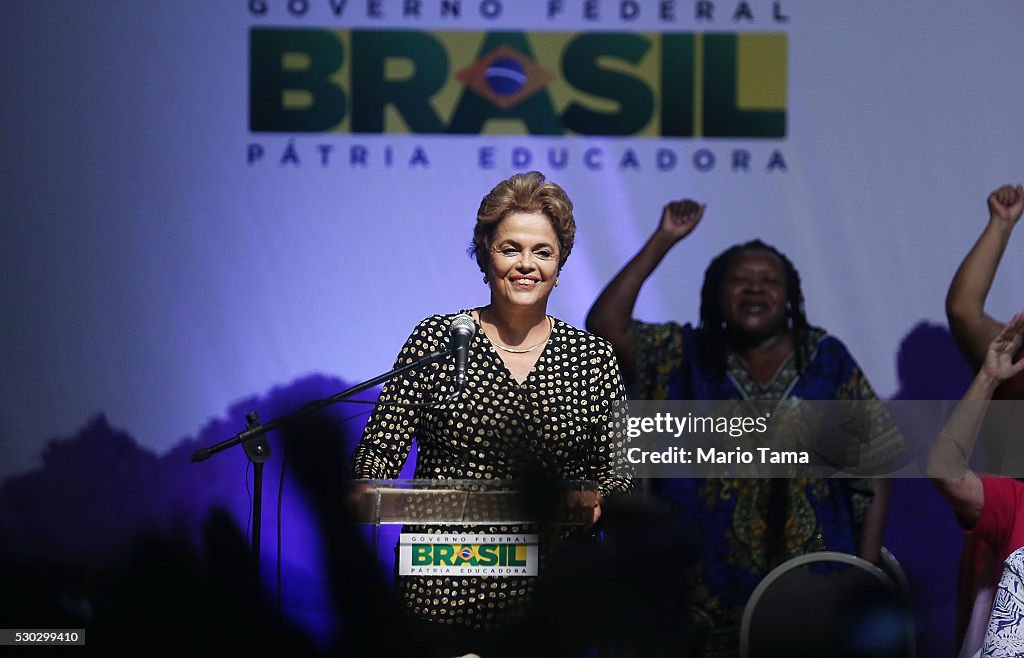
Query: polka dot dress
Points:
[559, 421]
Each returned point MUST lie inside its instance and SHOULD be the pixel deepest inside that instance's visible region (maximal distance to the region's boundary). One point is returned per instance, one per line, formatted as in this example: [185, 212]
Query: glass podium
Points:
[473, 502]
[463, 509]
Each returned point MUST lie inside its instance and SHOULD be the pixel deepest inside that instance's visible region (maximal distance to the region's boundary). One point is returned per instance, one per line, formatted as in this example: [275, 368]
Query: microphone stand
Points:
[257, 448]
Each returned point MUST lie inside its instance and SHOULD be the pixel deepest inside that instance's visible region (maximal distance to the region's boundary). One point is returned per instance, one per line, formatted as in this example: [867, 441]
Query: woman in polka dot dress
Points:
[539, 397]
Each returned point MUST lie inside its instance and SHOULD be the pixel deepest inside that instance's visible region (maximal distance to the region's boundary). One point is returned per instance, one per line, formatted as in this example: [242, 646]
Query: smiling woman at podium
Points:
[538, 397]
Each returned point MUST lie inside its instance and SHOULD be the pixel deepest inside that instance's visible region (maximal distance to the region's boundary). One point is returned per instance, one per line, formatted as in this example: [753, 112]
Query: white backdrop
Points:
[151, 273]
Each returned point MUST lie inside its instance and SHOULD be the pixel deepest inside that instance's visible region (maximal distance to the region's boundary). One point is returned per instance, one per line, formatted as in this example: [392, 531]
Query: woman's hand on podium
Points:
[585, 505]
[354, 497]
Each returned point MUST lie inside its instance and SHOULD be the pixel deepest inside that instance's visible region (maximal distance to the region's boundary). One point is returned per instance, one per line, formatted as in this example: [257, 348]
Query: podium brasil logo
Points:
[603, 84]
[472, 555]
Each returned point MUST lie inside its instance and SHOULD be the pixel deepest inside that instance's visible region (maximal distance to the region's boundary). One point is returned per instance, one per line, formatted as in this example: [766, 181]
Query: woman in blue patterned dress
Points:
[753, 342]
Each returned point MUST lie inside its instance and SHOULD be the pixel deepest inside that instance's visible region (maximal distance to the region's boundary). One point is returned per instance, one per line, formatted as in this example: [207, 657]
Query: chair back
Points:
[827, 604]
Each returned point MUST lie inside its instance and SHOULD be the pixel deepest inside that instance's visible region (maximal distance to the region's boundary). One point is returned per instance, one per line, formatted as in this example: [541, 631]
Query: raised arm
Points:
[947, 463]
[965, 302]
[612, 314]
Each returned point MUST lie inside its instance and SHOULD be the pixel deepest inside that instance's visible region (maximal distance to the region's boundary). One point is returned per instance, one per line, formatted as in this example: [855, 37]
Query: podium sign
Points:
[467, 554]
[469, 513]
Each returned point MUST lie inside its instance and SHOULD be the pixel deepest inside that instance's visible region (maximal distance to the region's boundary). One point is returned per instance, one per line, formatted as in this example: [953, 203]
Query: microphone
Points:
[462, 329]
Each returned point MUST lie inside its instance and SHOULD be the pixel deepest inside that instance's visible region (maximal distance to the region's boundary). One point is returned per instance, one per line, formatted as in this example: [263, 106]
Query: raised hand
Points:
[679, 218]
[1006, 203]
[999, 359]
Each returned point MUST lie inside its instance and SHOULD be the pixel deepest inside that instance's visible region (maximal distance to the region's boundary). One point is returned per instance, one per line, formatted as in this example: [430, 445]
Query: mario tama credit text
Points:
[743, 438]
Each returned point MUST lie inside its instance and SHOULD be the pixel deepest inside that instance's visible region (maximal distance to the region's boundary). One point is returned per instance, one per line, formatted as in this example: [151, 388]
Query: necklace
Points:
[551, 327]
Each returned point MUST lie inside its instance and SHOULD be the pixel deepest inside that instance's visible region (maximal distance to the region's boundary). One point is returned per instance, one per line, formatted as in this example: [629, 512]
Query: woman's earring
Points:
[485, 280]
[556, 283]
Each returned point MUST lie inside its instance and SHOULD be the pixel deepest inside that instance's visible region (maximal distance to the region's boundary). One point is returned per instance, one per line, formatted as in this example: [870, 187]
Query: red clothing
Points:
[1000, 524]
[997, 534]
[985, 549]
[977, 573]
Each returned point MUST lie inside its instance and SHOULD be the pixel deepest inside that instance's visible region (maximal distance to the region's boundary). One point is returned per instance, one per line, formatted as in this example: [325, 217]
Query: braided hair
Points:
[714, 341]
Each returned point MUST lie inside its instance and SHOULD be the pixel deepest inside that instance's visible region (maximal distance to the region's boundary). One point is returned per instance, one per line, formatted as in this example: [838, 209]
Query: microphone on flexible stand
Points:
[462, 328]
